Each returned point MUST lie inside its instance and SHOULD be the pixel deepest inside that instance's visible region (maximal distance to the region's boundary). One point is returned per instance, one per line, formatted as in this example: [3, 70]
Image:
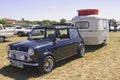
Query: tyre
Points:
[2, 39]
[81, 51]
[47, 64]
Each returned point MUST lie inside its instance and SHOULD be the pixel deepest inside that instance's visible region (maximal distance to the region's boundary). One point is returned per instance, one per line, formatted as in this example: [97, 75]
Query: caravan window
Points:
[104, 22]
[82, 25]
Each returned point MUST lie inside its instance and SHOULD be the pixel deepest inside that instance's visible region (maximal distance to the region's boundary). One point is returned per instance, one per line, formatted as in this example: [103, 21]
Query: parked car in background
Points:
[17, 28]
[11, 28]
[5, 33]
[25, 31]
[45, 46]
[118, 28]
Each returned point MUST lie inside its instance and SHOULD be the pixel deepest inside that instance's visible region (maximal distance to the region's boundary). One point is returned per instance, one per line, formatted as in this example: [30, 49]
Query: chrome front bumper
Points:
[24, 63]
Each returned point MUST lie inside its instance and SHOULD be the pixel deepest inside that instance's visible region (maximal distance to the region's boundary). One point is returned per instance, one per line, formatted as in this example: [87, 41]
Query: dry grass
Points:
[100, 63]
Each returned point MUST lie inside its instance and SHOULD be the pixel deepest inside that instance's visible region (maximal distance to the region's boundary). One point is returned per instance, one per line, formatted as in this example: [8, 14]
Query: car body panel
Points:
[61, 49]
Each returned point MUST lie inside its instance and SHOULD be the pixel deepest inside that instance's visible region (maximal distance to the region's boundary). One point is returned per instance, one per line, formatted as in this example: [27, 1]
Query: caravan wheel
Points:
[104, 43]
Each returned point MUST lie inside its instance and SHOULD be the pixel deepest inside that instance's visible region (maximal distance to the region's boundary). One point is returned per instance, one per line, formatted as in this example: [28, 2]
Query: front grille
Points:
[18, 52]
[19, 55]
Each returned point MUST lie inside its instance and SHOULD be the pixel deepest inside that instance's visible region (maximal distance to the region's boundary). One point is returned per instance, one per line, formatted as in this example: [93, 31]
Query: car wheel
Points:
[2, 39]
[81, 51]
[47, 64]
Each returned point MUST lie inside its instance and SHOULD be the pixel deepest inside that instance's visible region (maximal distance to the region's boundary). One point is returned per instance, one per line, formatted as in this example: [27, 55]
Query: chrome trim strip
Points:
[24, 63]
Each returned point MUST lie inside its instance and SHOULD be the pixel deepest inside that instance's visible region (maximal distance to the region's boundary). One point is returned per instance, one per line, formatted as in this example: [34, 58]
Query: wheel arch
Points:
[3, 36]
[41, 58]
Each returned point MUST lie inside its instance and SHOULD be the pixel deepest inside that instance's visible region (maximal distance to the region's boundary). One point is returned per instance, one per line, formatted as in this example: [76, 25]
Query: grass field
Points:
[99, 63]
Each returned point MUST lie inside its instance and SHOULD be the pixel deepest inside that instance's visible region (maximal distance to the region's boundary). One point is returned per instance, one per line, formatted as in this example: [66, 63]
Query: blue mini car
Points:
[45, 46]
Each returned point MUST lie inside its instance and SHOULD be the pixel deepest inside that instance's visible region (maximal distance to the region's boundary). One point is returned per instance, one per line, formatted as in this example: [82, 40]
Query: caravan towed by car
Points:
[93, 29]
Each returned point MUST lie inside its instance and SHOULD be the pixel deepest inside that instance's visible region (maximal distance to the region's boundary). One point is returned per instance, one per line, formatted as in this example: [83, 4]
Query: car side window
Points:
[38, 33]
[74, 34]
[50, 34]
[62, 34]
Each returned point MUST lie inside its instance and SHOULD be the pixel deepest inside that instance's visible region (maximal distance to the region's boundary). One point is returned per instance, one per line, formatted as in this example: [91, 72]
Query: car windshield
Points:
[38, 34]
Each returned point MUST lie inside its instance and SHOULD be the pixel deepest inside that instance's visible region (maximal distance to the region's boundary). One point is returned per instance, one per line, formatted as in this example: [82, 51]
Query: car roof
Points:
[55, 27]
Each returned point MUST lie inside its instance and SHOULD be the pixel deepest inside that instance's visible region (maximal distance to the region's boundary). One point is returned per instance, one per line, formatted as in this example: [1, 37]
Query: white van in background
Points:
[93, 29]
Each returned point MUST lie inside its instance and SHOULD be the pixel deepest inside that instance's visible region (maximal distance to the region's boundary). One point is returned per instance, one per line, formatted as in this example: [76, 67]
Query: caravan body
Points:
[93, 29]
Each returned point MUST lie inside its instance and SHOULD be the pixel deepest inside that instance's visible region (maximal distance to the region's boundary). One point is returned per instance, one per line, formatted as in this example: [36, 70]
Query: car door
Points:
[76, 39]
[63, 47]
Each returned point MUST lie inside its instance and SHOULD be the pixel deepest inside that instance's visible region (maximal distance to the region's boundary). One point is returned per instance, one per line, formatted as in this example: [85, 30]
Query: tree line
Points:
[27, 22]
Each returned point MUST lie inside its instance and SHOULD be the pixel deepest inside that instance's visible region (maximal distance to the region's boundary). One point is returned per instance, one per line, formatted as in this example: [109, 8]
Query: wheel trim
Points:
[48, 65]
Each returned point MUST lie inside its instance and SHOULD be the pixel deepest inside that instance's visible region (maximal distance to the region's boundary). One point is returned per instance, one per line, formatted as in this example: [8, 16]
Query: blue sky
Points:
[56, 9]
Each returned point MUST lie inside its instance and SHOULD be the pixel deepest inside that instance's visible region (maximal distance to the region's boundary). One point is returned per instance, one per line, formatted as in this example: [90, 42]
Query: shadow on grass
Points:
[93, 48]
[20, 74]
[7, 41]
[28, 72]
[33, 72]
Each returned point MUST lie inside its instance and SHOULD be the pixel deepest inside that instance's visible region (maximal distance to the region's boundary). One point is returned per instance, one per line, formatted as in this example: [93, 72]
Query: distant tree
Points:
[38, 22]
[46, 22]
[2, 22]
[54, 22]
[62, 20]
[27, 22]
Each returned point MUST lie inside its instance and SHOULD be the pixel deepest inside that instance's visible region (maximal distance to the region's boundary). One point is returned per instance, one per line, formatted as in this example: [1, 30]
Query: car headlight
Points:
[8, 49]
[31, 51]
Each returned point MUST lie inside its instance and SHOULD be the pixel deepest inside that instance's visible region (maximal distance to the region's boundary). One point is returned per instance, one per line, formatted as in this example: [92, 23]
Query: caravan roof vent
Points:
[87, 12]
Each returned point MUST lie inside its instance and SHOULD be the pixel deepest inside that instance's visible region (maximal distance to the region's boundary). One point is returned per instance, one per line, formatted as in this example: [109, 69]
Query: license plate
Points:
[16, 64]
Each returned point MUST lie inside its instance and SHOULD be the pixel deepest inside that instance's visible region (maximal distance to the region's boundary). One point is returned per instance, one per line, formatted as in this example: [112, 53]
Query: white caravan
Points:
[93, 29]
